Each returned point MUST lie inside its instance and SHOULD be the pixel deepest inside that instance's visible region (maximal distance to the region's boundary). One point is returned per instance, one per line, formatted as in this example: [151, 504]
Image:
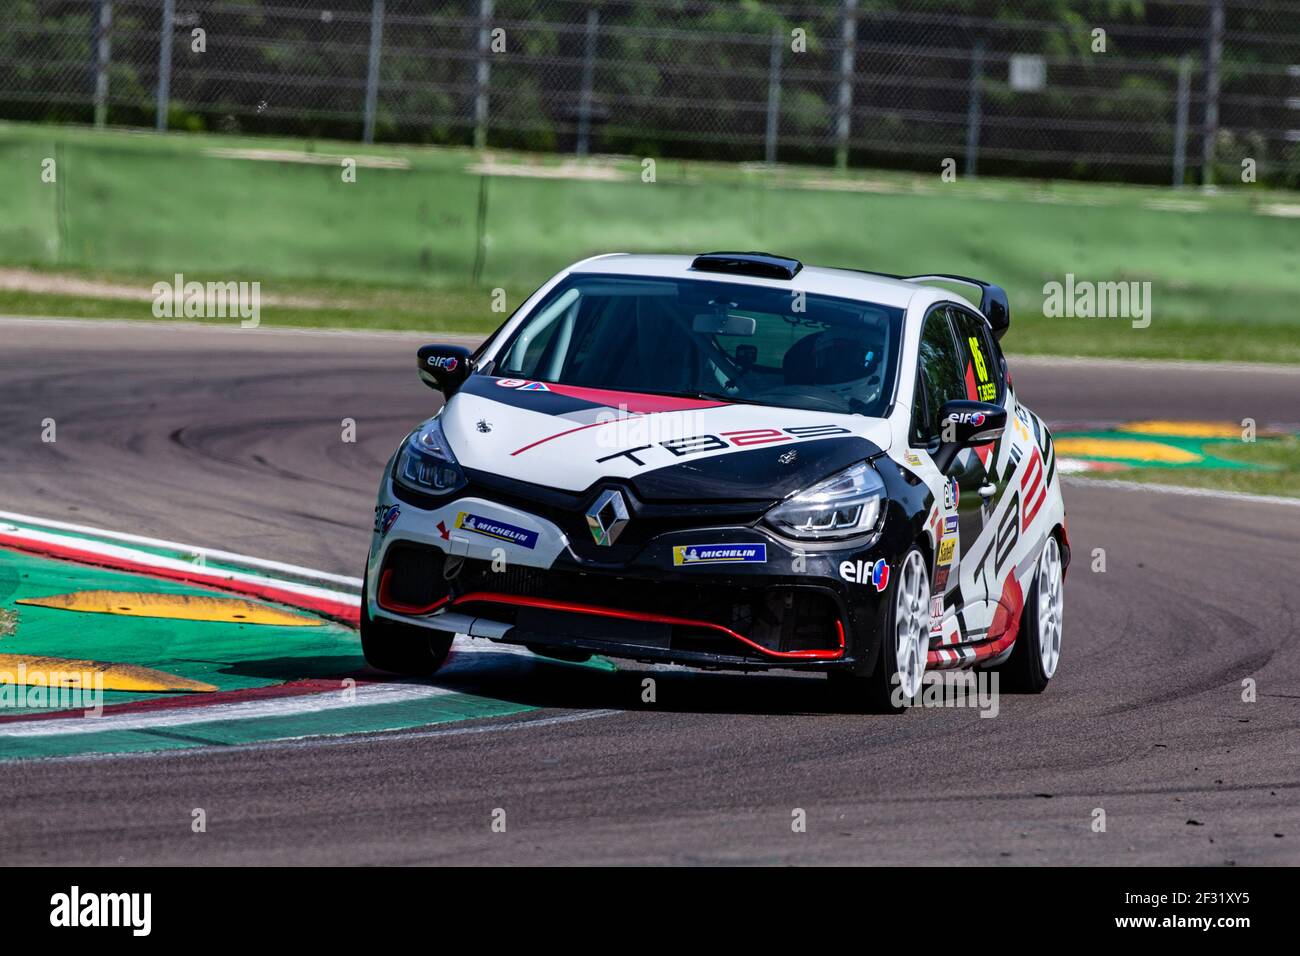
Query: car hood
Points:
[572, 438]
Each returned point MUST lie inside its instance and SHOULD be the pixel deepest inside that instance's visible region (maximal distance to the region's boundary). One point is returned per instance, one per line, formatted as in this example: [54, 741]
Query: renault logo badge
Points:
[607, 517]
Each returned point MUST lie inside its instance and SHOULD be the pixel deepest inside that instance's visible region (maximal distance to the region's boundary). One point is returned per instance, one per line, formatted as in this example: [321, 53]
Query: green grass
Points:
[1277, 458]
[398, 248]
[462, 311]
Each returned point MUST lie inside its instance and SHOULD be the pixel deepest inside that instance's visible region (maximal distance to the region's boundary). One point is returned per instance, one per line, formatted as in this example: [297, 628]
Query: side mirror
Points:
[444, 367]
[964, 424]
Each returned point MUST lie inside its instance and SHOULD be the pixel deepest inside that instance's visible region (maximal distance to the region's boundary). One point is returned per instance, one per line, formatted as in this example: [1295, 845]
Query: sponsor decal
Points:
[941, 578]
[484, 425]
[950, 524]
[960, 418]
[946, 549]
[447, 363]
[684, 554]
[385, 516]
[912, 458]
[866, 572]
[936, 614]
[491, 528]
[788, 457]
[951, 495]
[522, 385]
[699, 444]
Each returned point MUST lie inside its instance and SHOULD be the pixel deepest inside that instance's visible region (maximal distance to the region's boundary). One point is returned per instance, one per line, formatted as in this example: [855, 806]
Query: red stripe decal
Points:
[636, 402]
[567, 431]
[492, 597]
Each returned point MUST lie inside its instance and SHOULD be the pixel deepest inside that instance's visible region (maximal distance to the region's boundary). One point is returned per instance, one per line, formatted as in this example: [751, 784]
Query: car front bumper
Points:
[712, 595]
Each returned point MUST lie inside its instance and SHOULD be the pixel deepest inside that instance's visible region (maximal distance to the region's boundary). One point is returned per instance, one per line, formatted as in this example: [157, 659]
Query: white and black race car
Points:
[729, 461]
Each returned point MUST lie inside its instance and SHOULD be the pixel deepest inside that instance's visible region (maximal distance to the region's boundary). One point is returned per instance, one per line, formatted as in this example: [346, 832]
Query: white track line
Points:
[314, 703]
[199, 572]
[266, 329]
[213, 553]
[1181, 490]
[1184, 365]
[308, 743]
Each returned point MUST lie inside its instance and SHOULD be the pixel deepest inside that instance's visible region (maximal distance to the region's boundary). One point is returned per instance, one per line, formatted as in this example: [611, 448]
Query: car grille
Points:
[779, 618]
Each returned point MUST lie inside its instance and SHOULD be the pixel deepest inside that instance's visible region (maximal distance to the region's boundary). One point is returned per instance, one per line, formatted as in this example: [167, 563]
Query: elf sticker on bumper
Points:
[499, 530]
[719, 554]
[865, 572]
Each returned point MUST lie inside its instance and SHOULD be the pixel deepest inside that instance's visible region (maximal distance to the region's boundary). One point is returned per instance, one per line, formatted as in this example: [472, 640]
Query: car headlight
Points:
[426, 464]
[844, 505]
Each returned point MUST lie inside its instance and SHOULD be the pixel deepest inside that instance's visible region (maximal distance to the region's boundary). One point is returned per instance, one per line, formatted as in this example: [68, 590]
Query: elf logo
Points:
[866, 572]
[133, 910]
[961, 418]
[447, 363]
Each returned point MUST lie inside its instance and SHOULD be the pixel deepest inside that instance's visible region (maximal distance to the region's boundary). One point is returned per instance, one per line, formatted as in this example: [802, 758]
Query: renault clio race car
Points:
[729, 461]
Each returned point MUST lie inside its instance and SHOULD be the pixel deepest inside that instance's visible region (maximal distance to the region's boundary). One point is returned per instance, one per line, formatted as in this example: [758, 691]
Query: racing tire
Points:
[399, 648]
[1037, 650]
[900, 664]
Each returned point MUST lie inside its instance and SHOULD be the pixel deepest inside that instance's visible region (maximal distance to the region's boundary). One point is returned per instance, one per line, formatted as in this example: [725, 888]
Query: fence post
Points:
[588, 78]
[102, 52]
[165, 64]
[1212, 62]
[372, 69]
[848, 38]
[1180, 120]
[774, 95]
[482, 75]
[974, 109]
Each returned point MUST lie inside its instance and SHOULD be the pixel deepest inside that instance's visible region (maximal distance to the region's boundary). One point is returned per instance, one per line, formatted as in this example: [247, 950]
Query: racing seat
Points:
[832, 357]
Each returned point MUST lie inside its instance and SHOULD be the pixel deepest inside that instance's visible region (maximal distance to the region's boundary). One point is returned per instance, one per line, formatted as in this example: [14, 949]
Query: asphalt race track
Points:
[232, 439]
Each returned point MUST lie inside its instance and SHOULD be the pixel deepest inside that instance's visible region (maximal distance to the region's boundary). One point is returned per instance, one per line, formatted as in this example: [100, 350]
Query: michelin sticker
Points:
[719, 554]
[499, 530]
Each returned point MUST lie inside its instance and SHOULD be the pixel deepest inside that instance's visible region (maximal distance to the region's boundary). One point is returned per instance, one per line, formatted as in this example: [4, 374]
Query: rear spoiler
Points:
[993, 298]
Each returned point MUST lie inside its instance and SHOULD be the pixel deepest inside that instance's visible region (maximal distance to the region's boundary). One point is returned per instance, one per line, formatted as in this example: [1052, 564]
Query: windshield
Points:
[741, 343]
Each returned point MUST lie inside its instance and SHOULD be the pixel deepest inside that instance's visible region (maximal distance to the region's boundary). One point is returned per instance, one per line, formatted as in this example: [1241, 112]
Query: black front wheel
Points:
[402, 648]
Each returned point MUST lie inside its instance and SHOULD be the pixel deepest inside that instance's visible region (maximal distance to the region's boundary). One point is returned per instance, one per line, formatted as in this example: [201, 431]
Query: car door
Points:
[989, 467]
[940, 370]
